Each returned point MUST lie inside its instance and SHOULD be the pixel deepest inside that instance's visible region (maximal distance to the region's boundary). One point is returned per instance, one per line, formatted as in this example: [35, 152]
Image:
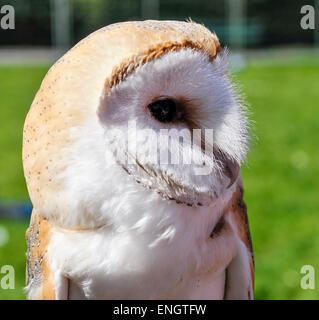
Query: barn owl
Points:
[113, 216]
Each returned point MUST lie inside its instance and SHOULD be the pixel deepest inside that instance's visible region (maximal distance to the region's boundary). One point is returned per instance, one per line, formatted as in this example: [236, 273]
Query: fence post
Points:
[60, 26]
[316, 31]
[150, 9]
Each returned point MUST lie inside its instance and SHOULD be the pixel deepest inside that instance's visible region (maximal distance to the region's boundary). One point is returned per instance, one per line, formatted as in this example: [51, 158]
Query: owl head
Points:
[173, 119]
[153, 98]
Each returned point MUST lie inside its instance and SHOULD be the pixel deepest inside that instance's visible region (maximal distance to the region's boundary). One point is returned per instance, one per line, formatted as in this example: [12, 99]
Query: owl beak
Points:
[230, 166]
[232, 171]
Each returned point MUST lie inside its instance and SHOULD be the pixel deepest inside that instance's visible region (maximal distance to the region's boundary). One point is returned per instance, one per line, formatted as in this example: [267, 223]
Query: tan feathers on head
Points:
[80, 75]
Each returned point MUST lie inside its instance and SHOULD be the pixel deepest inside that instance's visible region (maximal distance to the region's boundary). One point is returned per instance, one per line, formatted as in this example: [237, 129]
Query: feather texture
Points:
[175, 234]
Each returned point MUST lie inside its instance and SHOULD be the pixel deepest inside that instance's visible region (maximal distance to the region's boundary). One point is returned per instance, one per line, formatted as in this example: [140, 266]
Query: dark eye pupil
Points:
[163, 110]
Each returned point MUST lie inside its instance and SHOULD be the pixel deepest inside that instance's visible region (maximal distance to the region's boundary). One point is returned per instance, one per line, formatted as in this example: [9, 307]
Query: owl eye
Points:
[163, 110]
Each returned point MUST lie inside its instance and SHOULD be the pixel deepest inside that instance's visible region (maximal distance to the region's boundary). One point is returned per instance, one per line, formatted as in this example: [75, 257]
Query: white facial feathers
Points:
[205, 95]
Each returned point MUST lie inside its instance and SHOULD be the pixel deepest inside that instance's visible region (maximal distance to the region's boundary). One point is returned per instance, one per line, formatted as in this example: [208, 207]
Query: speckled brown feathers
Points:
[39, 275]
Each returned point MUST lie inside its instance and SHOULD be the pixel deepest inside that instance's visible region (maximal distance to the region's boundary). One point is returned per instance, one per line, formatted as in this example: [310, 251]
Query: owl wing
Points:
[42, 282]
[240, 272]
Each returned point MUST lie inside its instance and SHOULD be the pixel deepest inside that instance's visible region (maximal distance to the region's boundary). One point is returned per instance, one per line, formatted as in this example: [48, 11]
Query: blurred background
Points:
[275, 62]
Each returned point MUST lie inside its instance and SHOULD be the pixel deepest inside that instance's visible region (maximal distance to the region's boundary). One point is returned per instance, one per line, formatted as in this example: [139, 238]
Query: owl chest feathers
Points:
[175, 253]
[121, 240]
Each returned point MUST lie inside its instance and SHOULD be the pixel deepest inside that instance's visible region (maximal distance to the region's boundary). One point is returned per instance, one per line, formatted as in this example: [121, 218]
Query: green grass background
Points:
[280, 177]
